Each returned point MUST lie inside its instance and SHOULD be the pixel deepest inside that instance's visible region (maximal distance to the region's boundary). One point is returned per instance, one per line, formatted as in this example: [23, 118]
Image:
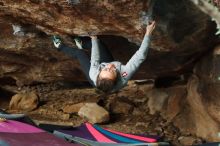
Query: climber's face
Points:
[108, 72]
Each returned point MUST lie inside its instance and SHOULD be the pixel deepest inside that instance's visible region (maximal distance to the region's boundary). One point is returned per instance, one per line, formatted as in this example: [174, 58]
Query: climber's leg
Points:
[77, 54]
[81, 56]
[105, 54]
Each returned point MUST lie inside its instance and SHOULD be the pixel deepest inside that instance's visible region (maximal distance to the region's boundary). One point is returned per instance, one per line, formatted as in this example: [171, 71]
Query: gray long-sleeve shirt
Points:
[125, 72]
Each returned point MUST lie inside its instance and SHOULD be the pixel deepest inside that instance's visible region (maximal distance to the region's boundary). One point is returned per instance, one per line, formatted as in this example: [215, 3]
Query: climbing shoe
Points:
[56, 41]
[73, 2]
[78, 42]
[18, 30]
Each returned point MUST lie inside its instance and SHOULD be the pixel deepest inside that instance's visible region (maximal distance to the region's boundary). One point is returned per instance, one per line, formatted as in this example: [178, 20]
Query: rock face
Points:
[208, 89]
[198, 111]
[205, 125]
[191, 114]
[29, 59]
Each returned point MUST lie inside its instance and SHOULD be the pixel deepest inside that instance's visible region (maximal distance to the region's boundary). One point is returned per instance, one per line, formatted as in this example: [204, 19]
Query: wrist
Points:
[147, 33]
[93, 37]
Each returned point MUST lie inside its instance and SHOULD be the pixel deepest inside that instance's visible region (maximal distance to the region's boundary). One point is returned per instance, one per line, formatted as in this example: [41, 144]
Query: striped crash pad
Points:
[94, 133]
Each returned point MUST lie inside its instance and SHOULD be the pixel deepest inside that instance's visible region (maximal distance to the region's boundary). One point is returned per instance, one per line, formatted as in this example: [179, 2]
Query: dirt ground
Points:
[128, 109]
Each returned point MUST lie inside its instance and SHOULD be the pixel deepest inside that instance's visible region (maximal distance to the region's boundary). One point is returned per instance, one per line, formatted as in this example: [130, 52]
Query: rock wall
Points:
[195, 108]
[208, 71]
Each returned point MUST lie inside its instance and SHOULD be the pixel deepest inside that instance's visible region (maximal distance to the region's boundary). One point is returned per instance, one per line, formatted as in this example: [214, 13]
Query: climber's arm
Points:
[134, 63]
[95, 58]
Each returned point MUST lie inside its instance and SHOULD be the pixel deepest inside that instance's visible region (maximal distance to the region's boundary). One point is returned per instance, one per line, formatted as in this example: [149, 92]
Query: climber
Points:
[102, 71]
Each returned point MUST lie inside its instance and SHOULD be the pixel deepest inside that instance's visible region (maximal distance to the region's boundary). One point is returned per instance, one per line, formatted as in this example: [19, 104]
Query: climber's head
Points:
[107, 78]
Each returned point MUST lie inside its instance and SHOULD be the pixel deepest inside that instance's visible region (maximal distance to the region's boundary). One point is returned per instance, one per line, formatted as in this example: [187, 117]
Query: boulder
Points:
[94, 113]
[24, 101]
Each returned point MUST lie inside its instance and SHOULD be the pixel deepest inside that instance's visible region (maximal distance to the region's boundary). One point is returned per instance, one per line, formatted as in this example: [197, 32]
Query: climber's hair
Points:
[105, 85]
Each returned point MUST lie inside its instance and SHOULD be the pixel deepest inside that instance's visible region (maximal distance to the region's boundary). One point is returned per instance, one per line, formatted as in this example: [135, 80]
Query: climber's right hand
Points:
[150, 27]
